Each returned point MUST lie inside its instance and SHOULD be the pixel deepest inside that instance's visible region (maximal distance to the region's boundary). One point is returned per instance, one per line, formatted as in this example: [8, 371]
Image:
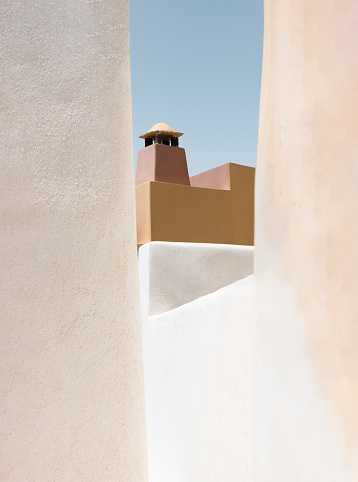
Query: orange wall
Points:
[173, 212]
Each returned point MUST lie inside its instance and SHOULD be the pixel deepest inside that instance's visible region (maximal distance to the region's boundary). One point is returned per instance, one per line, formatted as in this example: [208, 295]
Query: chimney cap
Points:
[162, 129]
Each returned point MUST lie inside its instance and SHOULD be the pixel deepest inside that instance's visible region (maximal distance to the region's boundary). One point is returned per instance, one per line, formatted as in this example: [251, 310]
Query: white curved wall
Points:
[72, 402]
[197, 363]
[306, 261]
[172, 274]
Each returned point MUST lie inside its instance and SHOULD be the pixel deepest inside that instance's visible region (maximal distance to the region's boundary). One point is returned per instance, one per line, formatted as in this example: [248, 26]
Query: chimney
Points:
[162, 160]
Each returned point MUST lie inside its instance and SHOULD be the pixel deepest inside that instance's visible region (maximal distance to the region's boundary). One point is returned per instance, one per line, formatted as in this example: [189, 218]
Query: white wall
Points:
[72, 402]
[172, 274]
[197, 365]
[306, 258]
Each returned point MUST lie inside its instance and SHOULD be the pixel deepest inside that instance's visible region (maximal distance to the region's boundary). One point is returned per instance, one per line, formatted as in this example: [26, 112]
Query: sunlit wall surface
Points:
[306, 258]
[72, 401]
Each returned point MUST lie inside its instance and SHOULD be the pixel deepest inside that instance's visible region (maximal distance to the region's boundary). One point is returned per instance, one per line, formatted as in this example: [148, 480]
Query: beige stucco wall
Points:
[306, 260]
[71, 382]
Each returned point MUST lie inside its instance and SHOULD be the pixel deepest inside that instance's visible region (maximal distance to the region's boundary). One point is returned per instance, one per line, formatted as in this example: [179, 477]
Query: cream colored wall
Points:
[71, 384]
[306, 259]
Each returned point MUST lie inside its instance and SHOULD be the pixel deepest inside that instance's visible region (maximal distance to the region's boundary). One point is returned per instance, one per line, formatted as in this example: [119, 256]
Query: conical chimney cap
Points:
[162, 129]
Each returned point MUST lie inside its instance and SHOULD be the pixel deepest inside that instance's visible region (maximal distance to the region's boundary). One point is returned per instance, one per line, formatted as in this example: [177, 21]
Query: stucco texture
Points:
[306, 259]
[71, 382]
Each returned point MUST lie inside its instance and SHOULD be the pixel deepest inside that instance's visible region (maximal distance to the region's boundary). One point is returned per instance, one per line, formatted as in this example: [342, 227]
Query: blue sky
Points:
[196, 65]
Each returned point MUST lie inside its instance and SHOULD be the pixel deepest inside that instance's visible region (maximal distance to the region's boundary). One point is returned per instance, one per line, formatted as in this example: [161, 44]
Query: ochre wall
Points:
[71, 381]
[172, 212]
[306, 259]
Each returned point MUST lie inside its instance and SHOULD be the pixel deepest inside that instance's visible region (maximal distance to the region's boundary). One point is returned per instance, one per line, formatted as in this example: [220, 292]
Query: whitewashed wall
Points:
[306, 258]
[172, 274]
[71, 382]
[197, 361]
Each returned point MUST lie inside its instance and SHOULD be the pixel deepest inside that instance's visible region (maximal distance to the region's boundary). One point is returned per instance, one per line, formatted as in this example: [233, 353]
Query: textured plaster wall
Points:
[306, 259]
[197, 365]
[71, 381]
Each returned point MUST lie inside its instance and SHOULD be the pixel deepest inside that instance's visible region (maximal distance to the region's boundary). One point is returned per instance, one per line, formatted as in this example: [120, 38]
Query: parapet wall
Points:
[174, 212]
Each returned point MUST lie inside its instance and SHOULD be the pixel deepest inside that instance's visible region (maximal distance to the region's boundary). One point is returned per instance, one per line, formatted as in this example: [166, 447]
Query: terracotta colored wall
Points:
[171, 212]
[306, 259]
[71, 382]
[217, 178]
[162, 163]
